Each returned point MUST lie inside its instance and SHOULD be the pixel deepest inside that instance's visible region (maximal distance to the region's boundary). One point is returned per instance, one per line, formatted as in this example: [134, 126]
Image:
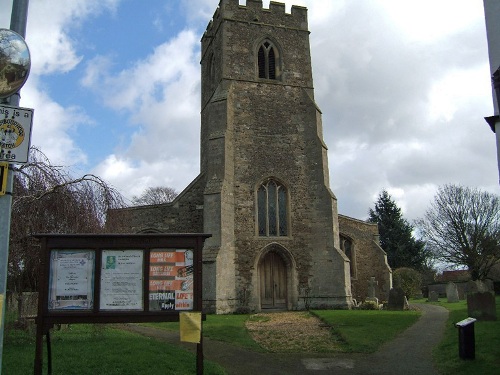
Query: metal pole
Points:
[18, 22]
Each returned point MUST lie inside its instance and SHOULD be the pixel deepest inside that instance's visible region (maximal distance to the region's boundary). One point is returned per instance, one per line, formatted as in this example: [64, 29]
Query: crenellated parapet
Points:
[254, 12]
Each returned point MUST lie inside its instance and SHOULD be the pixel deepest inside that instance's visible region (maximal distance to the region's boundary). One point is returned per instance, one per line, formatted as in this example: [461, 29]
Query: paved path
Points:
[408, 354]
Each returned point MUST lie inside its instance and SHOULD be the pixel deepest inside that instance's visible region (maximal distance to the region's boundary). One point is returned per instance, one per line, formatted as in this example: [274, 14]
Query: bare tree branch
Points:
[462, 227]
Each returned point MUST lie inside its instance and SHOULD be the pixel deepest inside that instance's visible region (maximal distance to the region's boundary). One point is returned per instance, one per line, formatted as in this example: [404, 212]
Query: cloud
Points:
[402, 112]
[53, 53]
[160, 95]
[403, 90]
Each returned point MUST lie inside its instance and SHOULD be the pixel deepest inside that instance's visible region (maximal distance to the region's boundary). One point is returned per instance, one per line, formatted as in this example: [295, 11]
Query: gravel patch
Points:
[292, 332]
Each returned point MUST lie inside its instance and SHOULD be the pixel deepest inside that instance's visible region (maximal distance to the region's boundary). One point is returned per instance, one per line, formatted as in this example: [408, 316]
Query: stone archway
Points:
[275, 277]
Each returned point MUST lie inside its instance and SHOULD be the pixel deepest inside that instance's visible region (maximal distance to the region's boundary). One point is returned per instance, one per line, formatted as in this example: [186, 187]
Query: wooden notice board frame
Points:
[78, 271]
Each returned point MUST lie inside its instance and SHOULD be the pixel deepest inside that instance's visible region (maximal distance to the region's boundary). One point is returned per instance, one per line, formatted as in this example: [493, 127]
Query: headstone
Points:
[482, 306]
[396, 299]
[474, 286]
[371, 290]
[452, 292]
[433, 296]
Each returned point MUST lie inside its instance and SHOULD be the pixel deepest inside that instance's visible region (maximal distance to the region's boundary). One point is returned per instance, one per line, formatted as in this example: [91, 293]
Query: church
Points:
[263, 191]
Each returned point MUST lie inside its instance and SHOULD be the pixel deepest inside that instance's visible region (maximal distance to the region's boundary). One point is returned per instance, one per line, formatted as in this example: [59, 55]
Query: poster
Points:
[170, 280]
[71, 280]
[190, 326]
[121, 280]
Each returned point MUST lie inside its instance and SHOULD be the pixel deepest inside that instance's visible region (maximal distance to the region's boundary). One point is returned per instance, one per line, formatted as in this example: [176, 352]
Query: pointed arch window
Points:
[267, 60]
[272, 209]
[347, 246]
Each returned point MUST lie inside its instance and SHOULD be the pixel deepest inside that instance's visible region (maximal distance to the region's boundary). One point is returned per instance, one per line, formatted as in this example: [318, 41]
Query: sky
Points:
[403, 85]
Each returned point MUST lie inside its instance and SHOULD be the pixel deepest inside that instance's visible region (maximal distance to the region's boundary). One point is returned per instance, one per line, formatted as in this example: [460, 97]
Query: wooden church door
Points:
[272, 282]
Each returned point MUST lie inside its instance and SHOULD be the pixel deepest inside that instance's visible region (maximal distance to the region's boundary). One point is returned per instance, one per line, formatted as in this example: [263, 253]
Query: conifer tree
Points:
[396, 237]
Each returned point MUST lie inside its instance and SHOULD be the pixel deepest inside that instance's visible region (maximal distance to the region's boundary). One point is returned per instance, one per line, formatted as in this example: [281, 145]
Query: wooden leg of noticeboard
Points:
[39, 350]
[199, 357]
[49, 353]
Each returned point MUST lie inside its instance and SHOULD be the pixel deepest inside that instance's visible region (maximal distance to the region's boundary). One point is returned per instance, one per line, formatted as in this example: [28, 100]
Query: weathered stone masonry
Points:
[261, 140]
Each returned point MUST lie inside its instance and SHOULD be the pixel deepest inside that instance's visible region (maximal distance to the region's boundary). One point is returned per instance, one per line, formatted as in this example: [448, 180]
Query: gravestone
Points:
[371, 290]
[452, 292]
[396, 299]
[482, 306]
[474, 286]
[433, 296]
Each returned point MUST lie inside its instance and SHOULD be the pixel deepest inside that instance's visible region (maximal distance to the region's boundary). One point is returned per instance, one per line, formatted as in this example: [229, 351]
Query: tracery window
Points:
[267, 60]
[272, 209]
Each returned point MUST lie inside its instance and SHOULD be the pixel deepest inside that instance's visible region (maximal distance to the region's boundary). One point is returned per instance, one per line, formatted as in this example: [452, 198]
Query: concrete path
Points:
[409, 354]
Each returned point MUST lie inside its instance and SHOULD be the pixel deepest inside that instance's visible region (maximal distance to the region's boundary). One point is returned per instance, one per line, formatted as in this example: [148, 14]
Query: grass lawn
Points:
[364, 331]
[360, 331]
[103, 350]
[100, 350]
[226, 328]
[487, 339]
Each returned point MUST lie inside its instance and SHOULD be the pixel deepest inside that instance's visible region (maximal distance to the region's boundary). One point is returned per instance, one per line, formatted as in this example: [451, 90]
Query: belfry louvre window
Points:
[272, 203]
[267, 57]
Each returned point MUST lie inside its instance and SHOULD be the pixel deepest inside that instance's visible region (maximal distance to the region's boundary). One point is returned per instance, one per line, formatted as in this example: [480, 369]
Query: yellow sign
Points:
[4, 171]
[190, 326]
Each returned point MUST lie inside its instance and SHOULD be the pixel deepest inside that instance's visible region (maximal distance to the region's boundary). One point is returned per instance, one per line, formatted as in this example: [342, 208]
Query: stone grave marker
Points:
[396, 299]
[474, 286]
[433, 296]
[482, 306]
[371, 290]
[452, 292]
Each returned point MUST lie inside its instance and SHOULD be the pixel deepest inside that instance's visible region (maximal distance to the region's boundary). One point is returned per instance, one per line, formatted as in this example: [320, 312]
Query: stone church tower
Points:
[263, 191]
[267, 200]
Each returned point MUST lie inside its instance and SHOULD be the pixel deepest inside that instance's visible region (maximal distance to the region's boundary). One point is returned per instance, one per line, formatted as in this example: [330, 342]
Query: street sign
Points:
[4, 170]
[15, 133]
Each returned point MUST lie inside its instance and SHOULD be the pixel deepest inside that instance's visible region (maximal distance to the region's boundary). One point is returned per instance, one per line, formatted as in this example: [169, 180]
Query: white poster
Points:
[71, 280]
[122, 280]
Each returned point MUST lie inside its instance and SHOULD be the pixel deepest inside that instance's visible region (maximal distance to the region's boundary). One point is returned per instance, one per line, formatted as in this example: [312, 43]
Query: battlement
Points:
[254, 12]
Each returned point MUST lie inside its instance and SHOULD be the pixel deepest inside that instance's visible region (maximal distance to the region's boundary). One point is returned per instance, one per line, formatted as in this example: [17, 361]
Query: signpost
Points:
[15, 133]
[15, 65]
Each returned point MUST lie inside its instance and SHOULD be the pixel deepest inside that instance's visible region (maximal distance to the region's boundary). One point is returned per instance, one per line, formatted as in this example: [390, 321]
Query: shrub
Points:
[407, 279]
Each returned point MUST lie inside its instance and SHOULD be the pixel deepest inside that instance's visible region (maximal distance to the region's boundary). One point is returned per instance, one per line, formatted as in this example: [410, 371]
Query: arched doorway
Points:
[273, 281]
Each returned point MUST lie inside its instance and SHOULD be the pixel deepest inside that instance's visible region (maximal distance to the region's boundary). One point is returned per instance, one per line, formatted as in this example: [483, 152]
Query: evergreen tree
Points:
[396, 237]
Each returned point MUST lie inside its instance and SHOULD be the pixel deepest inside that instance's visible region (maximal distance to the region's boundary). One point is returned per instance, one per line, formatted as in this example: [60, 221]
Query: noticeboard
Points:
[117, 278]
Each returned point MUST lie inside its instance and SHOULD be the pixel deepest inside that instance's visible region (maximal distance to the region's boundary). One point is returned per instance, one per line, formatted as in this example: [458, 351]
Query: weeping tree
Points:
[462, 228]
[47, 199]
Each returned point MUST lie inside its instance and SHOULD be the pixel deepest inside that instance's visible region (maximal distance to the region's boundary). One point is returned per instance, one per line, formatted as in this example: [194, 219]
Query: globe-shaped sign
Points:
[15, 62]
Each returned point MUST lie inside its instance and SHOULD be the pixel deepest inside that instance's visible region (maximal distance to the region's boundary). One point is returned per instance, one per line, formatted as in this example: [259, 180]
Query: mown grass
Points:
[87, 350]
[487, 344]
[226, 328]
[364, 331]
[361, 331]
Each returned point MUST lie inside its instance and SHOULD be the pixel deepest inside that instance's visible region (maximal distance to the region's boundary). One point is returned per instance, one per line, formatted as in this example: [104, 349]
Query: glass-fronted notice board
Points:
[103, 276]
[116, 278]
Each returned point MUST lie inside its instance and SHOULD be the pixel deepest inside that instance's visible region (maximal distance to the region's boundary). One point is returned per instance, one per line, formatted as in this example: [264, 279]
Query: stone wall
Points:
[370, 259]
[183, 215]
